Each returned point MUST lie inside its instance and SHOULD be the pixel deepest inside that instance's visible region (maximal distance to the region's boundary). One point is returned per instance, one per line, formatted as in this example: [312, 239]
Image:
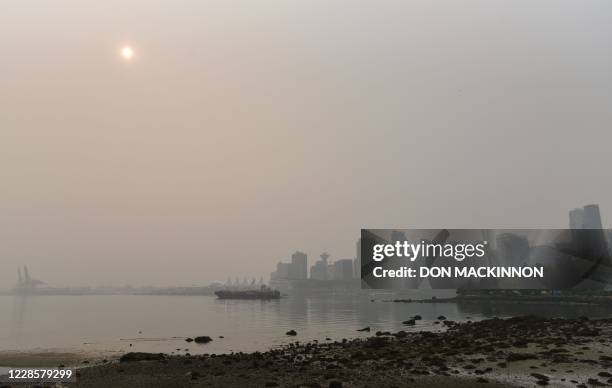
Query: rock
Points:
[194, 375]
[410, 322]
[202, 339]
[335, 384]
[521, 357]
[586, 332]
[367, 328]
[520, 343]
[595, 382]
[291, 332]
[376, 342]
[441, 318]
[188, 339]
[540, 376]
[140, 356]
[417, 318]
[272, 384]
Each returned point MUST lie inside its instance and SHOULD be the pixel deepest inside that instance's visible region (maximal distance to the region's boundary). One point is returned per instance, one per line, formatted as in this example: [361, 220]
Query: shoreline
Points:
[54, 357]
[520, 351]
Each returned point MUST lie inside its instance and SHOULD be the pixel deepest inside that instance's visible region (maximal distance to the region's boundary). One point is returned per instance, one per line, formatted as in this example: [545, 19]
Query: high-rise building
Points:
[576, 218]
[297, 269]
[592, 218]
[299, 266]
[585, 218]
[357, 261]
[282, 271]
[320, 270]
[343, 269]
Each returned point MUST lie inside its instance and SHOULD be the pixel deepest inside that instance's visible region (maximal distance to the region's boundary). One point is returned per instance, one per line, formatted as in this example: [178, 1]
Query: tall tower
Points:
[592, 218]
[299, 265]
[357, 261]
[324, 257]
[576, 218]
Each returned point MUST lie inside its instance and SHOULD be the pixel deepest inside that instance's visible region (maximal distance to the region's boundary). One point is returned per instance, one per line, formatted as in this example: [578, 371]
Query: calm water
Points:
[110, 323]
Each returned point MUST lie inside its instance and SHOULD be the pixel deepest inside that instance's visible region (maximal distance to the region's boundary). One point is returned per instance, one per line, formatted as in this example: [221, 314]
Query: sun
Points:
[127, 53]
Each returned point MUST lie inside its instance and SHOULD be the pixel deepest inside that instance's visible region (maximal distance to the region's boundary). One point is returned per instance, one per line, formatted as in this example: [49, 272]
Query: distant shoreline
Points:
[85, 291]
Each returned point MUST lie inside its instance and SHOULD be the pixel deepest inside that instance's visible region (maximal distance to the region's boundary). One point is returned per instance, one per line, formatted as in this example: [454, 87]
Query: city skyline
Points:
[343, 269]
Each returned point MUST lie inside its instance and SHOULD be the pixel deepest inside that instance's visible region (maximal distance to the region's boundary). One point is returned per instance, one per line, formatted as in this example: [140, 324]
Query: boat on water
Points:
[263, 293]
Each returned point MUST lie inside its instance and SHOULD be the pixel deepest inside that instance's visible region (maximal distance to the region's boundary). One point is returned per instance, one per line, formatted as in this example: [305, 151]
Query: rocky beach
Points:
[515, 352]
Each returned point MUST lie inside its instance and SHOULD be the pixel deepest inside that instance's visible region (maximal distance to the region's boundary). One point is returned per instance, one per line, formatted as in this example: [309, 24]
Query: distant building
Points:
[343, 269]
[320, 269]
[592, 218]
[588, 217]
[297, 269]
[282, 271]
[299, 266]
[356, 269]
[576, 218]
[357, 261]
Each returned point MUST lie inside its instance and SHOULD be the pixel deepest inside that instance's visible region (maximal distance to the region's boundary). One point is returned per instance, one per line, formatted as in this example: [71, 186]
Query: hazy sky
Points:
[243, 130]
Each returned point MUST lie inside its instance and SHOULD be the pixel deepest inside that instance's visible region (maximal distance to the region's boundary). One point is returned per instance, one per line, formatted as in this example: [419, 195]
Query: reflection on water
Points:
[541, 309]
[160, 323]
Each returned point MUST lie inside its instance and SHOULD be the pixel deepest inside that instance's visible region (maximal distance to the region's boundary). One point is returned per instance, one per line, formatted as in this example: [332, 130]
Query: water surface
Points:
[101, 323]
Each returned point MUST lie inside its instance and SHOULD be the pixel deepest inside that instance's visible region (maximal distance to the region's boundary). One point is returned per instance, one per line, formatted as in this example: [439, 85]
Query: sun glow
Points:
[127, 53]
